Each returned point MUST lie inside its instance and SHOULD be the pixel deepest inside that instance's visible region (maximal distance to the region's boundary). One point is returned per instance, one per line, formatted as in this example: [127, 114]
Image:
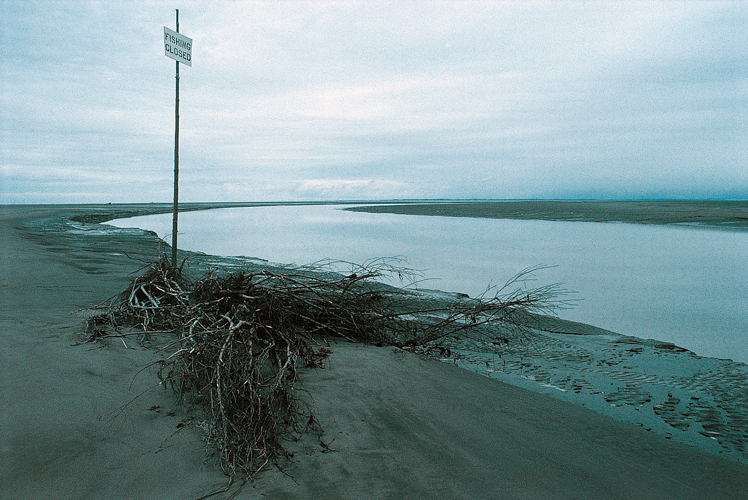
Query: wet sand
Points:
[396, 425]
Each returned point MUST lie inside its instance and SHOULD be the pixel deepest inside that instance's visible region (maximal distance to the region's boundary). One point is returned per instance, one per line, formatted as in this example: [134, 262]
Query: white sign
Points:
[177, 46]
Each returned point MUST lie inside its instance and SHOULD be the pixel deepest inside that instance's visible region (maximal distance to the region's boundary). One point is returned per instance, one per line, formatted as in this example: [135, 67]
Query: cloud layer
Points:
[297, 100]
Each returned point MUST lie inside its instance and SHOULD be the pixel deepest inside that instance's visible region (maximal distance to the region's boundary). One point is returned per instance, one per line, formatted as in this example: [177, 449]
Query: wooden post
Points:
[174, 262]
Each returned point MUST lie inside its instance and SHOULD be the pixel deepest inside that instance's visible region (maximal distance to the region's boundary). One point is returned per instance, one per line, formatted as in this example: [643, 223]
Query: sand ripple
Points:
[662, 387]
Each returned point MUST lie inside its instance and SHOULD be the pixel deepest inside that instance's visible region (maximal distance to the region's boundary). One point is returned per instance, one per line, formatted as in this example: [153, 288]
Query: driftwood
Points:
[241, 337]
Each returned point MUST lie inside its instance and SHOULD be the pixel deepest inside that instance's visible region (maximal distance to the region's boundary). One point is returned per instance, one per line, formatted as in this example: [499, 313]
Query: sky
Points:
[348, 100]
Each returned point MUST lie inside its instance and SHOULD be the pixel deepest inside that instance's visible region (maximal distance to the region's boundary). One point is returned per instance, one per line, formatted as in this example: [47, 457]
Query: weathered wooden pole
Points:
[176, 169]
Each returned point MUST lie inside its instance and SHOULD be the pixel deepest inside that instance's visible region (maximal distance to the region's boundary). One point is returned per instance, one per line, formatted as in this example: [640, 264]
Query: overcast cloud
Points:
[296, 100]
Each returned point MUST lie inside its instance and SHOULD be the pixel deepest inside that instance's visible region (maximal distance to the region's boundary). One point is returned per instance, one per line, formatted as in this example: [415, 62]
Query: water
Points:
[678, 284]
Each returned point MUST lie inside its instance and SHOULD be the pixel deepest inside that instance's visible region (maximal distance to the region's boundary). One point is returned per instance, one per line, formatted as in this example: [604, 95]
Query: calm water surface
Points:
[678, 284]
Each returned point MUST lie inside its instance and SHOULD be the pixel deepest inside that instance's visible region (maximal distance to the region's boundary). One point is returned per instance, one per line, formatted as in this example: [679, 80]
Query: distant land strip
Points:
[729, 215]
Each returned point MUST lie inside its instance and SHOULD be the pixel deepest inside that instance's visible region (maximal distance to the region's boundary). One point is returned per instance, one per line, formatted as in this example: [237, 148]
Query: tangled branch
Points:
[241, 337]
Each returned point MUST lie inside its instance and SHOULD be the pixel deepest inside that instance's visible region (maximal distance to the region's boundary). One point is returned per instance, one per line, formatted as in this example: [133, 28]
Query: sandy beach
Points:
[89, 421]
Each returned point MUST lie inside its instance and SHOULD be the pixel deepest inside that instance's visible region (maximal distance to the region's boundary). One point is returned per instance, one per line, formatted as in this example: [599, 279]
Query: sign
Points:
[177, 46]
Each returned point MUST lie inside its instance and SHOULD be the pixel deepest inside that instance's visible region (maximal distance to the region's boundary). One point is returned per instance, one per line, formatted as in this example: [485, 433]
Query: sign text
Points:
[177, 46]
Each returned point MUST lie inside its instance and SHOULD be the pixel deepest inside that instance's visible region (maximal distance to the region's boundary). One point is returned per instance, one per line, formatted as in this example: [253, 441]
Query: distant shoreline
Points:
[730, 215]
[723, 215]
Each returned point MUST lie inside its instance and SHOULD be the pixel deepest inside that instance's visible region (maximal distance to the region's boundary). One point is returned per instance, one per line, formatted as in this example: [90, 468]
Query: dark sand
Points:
[732, 215]
[399, 426]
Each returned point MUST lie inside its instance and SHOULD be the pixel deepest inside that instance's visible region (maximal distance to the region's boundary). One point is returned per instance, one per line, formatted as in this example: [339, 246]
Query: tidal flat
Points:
[396, 424]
